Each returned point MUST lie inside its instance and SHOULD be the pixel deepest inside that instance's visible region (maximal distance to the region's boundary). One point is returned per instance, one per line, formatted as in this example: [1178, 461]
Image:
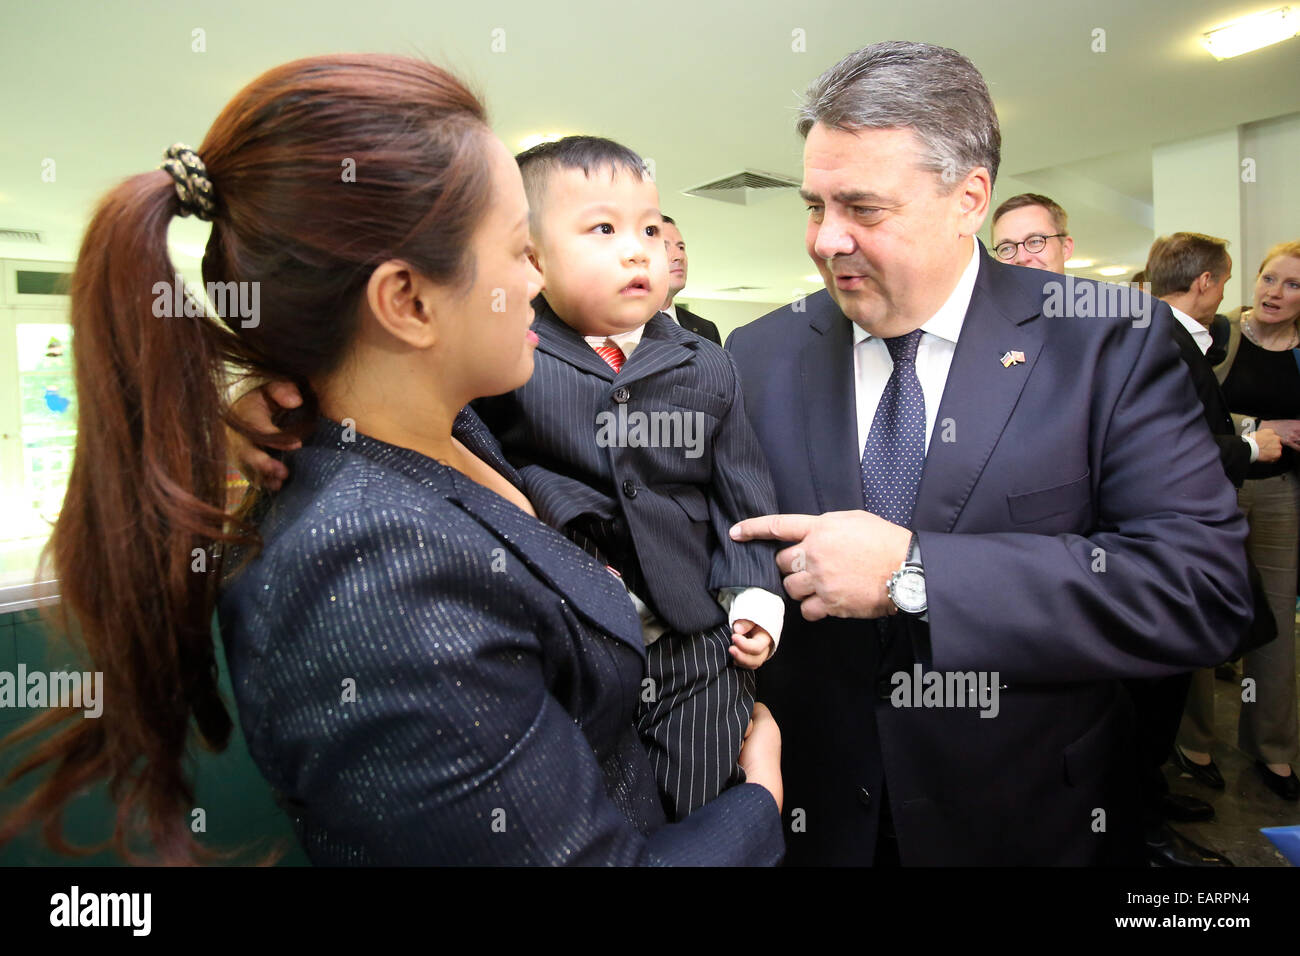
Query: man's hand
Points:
[1287, 429]
[255, 410]
[750, 644]
[1270, 445]
[840, 562]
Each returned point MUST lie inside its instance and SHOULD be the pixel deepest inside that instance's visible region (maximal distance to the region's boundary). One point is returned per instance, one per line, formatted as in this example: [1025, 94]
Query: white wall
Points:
[1271, 204]
[728, 314]
[1197, 187]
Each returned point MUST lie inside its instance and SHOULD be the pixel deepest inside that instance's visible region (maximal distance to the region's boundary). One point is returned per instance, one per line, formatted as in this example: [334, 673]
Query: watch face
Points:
[908, 591]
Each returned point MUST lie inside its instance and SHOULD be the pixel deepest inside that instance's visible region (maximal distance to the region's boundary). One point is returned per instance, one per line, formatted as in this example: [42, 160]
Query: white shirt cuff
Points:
[1254, 447]
[761, 606]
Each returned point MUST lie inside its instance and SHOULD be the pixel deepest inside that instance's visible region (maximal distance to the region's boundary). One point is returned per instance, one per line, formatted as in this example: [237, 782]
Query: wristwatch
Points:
[906, 586]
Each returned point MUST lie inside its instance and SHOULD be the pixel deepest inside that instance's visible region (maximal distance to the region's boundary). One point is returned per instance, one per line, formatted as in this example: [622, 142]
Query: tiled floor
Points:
[1246, 805]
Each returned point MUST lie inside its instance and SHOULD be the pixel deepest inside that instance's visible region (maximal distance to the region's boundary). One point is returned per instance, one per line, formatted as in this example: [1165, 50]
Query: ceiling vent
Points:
[743, 288]
[19, 235]
[745, 187]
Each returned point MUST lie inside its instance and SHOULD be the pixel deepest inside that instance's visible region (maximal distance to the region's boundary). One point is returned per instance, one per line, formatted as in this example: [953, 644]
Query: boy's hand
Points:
[750, 644]
[254, 409]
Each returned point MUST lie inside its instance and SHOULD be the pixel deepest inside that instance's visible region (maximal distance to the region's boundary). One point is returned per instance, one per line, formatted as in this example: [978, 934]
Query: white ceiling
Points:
[705, 88]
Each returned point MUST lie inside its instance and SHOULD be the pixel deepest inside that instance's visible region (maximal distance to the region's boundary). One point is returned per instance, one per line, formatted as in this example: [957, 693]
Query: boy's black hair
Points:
[588, 153]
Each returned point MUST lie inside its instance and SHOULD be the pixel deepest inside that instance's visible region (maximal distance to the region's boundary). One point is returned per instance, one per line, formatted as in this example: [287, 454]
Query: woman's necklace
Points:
[1252, 333]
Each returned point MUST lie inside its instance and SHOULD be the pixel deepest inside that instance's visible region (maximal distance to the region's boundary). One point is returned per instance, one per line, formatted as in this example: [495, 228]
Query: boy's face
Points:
[601, 250]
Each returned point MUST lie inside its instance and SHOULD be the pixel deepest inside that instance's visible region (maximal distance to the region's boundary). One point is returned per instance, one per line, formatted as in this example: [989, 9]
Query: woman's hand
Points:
[1288, 430]
[255, 410]
[760, 754]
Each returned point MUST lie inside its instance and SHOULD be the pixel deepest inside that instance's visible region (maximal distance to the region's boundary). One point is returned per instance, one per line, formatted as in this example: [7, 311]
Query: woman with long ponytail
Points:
[363, 206]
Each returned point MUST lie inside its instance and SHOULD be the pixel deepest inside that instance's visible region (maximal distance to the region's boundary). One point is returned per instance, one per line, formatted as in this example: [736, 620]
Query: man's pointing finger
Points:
[773, 527]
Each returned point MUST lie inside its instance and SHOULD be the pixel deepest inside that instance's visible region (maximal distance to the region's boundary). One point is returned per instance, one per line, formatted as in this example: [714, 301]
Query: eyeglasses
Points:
[1007, 250]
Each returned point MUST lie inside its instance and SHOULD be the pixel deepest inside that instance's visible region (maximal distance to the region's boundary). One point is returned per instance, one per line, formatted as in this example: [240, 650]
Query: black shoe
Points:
[1182, 808]
[1226, 672]
[1288, 787]
[1208, 774]
[1167, 847]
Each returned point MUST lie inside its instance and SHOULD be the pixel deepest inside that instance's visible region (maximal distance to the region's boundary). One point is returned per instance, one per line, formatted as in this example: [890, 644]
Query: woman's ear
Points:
[404, 303]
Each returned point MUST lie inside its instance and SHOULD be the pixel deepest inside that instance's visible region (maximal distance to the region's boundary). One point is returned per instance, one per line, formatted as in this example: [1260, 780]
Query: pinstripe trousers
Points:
[697, 704]
[695, 721]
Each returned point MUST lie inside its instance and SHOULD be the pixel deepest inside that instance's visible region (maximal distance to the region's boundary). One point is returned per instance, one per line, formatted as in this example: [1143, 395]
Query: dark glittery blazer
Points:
[428, 675]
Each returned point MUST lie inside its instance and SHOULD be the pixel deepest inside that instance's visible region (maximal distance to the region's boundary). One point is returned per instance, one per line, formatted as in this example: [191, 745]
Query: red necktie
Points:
[611, 353]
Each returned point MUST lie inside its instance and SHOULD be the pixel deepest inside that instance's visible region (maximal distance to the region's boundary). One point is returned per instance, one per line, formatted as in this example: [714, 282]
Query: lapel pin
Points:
[1013, 357]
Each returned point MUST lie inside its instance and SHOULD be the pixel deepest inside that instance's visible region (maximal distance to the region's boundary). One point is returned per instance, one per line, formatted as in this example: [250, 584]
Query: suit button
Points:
[629, 488]
[621, 394]
[864, 796]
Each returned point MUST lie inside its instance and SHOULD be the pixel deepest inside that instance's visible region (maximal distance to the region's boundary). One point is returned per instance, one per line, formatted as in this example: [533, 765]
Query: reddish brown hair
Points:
[147, 483]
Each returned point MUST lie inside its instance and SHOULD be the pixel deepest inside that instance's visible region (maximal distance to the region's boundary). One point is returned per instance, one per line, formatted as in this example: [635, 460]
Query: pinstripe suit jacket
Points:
[428, 675]
[676, 508]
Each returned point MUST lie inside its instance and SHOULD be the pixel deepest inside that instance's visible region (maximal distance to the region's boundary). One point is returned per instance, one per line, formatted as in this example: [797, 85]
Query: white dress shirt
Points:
[872, 365]
[626, 341]
[1199, 333]
[1201, 336]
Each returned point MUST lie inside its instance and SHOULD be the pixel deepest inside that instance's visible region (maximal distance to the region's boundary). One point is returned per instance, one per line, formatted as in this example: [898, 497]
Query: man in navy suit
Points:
[992, 478]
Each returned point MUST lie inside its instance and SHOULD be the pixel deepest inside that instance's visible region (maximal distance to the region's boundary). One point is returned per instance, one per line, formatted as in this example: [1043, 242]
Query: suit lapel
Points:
[980, 393]
[664, 344]
[593, 591]
[557, 339]
[830, 410]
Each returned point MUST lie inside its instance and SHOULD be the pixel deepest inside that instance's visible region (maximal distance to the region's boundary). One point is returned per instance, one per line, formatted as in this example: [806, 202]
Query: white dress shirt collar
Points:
[1198, 332]
[626, 341]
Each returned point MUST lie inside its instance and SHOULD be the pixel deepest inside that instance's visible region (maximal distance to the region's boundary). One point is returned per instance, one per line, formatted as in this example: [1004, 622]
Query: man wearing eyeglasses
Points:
[1031, 230]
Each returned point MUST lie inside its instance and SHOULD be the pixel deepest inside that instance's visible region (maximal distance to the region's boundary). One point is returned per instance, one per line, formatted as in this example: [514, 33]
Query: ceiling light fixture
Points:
[1113, 271]
[1079, 263]
[1252, 33]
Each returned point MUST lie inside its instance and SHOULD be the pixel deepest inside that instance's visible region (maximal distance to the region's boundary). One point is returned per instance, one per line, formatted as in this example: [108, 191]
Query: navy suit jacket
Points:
[1091, 454]
[428, 675]
[677, 508]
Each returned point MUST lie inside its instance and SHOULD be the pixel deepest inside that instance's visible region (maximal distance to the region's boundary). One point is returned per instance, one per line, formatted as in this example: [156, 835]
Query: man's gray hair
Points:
[934, 91]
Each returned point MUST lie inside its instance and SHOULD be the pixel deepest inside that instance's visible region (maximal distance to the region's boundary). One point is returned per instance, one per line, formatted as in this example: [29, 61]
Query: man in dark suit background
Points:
[1188, 271]
[974, 486]
[1023, 229]
[677, 266]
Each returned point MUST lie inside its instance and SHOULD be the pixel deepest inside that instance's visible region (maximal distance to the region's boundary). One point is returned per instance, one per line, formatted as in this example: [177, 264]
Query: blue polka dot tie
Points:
[895, 451]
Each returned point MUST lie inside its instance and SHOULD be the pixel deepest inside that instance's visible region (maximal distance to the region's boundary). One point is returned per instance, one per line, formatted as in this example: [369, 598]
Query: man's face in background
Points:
[676, 259]
[1019, 224]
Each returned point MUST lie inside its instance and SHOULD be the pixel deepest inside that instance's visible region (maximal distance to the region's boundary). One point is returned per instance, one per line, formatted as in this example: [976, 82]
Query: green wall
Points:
[238, 803]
